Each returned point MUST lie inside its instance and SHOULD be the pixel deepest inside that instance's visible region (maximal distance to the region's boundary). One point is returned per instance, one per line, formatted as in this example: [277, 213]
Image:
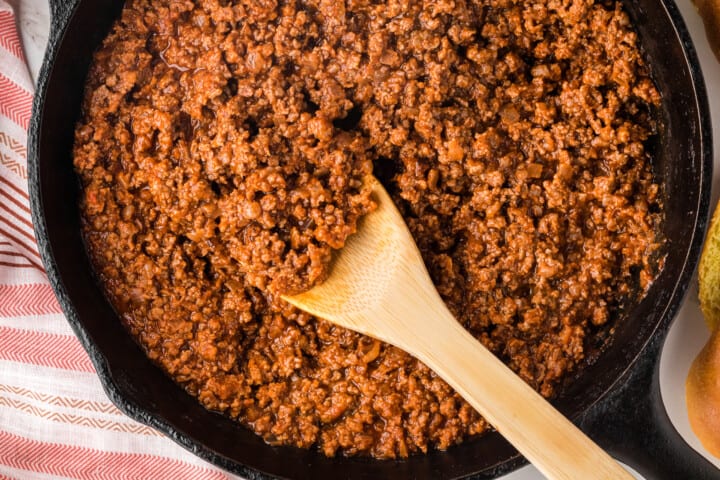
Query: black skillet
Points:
[616, 400]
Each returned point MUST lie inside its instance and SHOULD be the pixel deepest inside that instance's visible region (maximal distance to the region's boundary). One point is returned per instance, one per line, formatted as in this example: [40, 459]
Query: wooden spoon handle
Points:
[542, 434]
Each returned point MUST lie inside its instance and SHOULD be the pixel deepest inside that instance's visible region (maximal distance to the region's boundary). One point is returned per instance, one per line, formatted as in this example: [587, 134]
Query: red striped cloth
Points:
[55, 420]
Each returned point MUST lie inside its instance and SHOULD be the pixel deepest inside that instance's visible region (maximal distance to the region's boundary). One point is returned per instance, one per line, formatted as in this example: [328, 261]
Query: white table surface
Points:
[688, 333]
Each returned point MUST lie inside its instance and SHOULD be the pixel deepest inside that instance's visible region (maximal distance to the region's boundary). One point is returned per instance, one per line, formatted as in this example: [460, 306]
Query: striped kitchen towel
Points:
[55, 420]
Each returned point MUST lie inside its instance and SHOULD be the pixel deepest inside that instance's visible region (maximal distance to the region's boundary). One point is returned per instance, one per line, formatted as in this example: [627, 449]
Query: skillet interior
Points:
[143, 391]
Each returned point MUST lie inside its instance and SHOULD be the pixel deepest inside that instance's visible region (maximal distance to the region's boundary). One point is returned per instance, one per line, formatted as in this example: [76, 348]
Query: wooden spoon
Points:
[379, 287]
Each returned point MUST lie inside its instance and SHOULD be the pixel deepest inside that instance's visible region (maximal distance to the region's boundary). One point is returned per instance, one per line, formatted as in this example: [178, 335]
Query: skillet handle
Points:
[632, 424]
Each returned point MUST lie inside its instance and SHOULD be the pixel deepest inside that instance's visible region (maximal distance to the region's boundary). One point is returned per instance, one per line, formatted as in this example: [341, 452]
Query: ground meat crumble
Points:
[222, 152]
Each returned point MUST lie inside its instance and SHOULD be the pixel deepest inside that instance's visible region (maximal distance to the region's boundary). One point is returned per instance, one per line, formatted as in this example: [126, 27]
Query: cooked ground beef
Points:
[222, 151]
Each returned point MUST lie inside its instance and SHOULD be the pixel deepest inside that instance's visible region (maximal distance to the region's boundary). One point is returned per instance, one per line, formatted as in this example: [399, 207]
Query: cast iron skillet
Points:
[616, 399]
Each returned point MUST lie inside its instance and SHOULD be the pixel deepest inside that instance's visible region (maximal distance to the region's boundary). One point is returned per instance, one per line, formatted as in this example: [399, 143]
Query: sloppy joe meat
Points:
[222, 151]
